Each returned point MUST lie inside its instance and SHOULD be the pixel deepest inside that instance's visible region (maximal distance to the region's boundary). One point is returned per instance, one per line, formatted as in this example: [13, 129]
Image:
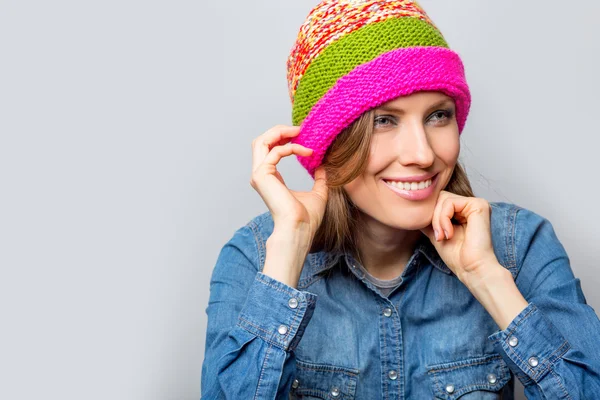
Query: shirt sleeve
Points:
[553, 345]
[254, 324]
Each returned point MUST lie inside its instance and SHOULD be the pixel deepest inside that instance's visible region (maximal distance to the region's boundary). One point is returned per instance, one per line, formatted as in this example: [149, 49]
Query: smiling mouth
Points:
[411, 186]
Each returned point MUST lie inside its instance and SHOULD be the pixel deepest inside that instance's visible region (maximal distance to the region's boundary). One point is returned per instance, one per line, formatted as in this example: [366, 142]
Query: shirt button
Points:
[282, 329]
[335, 391]
[387, 312]
[295, 383]
[393, 375]
[491, 378]
[293, 302]
[533, 361]
[450, 388]
[513, 341]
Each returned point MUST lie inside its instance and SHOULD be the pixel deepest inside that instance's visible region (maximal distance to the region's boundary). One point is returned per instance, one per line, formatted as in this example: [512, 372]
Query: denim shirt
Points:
[336, 336]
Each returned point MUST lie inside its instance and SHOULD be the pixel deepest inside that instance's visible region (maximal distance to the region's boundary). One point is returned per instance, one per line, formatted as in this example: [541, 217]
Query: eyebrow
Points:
[401, 111]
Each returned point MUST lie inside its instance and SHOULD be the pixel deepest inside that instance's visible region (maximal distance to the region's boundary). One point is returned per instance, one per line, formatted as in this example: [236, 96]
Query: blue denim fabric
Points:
[336, 337]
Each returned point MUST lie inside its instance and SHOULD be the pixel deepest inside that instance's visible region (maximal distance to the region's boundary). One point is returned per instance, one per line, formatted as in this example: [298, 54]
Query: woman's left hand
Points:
[468, 249]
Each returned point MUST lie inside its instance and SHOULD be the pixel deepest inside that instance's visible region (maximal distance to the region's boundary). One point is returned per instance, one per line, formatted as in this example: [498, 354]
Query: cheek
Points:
[447, 148]
[381, 154]
[356, 189]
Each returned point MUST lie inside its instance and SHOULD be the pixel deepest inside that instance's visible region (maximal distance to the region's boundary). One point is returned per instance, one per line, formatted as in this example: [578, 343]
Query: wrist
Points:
[286, 252]
[498, 293]
[287, 231]
[488, 273]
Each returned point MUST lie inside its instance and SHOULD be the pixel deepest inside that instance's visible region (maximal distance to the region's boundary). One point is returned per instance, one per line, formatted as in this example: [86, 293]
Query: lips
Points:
[419, 194]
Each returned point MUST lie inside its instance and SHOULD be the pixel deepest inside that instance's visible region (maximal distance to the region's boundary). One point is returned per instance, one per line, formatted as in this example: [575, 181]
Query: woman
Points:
[390, 279]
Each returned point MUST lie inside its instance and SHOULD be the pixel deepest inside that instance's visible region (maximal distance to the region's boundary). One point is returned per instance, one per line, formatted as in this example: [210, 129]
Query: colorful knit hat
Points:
[353, 55]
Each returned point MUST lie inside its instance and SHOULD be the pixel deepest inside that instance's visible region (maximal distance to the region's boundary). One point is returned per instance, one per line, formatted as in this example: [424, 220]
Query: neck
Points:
[384, 251]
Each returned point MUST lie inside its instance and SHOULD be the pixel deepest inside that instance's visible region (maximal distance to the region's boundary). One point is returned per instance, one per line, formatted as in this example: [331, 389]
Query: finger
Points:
[435, 223]
[464, 209]
[320, 186]
[262, 145]
[450, 207]
[478, 214]
[278, 176]
[278, 152]
[260, 178]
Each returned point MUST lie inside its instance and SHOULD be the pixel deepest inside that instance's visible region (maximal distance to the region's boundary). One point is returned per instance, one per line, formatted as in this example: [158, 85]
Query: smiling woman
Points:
[377, 138]
[389, 279]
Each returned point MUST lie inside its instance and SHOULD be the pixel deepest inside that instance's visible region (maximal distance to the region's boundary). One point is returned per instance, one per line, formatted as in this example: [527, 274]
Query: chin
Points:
[410, 222]
[411, 218]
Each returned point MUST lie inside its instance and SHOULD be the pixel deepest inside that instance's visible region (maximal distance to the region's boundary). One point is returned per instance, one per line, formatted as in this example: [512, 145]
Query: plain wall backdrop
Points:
[125, 159]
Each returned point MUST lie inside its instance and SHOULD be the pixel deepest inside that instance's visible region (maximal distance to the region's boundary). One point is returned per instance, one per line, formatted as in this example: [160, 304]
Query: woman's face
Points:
[414, 136]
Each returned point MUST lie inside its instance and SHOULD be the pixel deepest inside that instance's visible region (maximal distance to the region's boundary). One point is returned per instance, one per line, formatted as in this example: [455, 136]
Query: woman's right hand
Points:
[291, 210]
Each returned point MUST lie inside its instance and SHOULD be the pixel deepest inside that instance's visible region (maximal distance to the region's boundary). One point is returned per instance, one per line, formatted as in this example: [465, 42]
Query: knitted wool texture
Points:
[353, 55]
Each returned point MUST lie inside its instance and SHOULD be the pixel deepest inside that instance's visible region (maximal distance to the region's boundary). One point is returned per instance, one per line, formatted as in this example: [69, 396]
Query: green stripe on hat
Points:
[354, 49]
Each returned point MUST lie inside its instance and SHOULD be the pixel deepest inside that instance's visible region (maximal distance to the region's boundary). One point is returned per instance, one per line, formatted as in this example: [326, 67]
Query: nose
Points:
[414, 147]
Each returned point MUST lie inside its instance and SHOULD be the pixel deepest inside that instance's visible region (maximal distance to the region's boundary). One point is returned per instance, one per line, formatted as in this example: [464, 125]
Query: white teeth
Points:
[410, 185]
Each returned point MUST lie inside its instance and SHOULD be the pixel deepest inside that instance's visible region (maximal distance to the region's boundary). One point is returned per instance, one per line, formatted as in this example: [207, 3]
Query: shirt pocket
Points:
[480, 378]
[323, 381]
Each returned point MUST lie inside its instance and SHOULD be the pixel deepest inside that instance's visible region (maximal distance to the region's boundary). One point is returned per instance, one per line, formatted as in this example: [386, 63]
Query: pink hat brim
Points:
[399, 72]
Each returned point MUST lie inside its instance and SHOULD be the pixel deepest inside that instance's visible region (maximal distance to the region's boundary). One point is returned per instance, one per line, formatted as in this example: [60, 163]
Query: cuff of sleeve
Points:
[530, 344]
[276, 312]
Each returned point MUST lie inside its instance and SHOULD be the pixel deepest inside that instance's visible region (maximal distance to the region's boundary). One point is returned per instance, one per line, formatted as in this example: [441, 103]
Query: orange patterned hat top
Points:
[332, 19]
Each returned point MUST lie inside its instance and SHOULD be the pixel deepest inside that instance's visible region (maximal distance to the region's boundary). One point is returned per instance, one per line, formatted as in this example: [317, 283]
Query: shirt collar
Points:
[322, 261]
[428, 250]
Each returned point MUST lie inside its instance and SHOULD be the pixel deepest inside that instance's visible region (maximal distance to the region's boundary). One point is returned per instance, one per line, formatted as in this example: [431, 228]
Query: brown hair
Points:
[345, 160]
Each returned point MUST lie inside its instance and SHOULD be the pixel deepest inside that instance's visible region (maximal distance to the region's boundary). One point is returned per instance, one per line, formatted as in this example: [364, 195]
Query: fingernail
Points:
[446, 233]
[435, 234]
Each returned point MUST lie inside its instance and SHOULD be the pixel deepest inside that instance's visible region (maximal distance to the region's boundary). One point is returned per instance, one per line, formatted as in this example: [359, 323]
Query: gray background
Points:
[125, 163]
